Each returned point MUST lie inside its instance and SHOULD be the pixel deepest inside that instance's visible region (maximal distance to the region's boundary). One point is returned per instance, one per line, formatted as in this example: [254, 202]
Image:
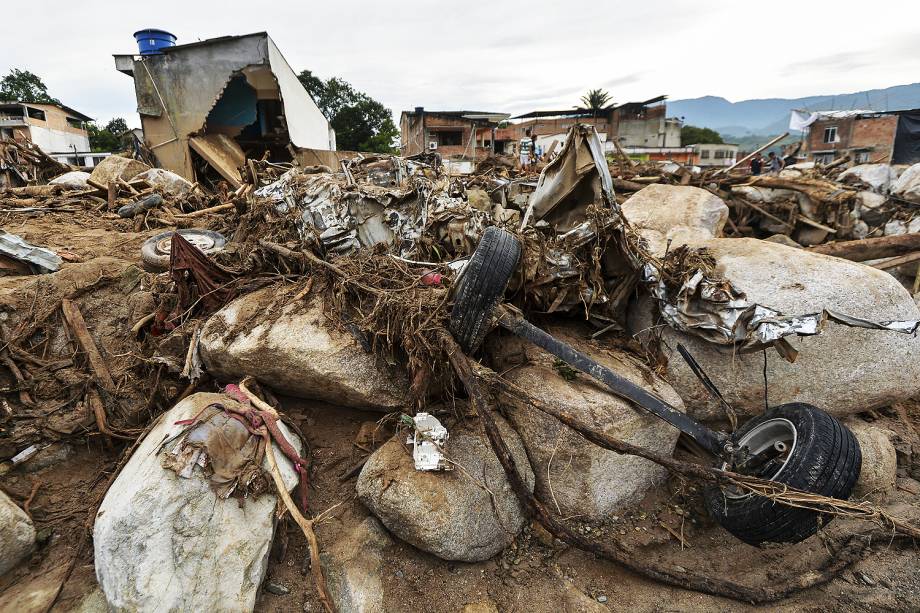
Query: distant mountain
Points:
[771, 115]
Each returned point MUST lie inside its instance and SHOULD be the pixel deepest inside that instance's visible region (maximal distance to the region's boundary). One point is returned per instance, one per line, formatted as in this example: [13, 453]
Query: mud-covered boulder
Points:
[17, 534]
[679, 213]
[168, 543]
[293, 348]
[467, 514]
[575, 477]
[115, 167]
[843, 370]
[354, 568]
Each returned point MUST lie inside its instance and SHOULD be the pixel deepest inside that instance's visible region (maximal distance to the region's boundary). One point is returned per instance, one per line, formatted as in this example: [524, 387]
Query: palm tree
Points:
[595, 99]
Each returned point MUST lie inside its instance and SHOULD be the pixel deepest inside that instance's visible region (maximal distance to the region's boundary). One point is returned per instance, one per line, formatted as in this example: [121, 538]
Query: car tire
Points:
[482, 285]
[824, 458]
[155, 251]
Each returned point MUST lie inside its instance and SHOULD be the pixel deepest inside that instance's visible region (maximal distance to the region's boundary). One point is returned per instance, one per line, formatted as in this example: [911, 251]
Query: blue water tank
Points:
[152, 42]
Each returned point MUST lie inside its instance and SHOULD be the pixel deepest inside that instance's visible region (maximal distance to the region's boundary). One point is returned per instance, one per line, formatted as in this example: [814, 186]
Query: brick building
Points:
[867, 136]
[453, 134]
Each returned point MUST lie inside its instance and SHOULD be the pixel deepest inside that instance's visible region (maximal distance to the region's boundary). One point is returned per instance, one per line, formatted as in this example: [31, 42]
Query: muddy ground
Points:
[62, 486]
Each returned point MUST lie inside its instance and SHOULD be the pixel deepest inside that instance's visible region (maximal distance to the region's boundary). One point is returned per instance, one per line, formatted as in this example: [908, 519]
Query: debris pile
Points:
[148, 318]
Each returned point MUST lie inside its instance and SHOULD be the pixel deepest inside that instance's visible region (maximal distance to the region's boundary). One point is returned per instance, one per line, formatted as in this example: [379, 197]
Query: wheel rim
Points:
[202, 241]
[774, 439]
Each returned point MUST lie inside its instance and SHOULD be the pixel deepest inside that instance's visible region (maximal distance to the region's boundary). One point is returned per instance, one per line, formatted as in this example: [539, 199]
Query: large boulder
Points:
[17, 534]
[679, 213]
[354, 568]
[167, 543]
[576, 477]
[75, 179]
[908, 184]
[115, 167]
[168, 182]
[294, 349]
[877, 177]
[467, 514]
[843, 370]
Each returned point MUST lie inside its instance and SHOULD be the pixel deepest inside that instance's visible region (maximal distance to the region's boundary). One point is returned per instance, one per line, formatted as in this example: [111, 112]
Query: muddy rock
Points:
[115, 167]
[354, 568]
[166, 181]
[168, 543]
[908, 184]
[679, 213]
[292, 348]
[876, 177]
[75, 179]
[17, 534]
[575, 477]
[450, 514]
[843, 370]
[879, 462]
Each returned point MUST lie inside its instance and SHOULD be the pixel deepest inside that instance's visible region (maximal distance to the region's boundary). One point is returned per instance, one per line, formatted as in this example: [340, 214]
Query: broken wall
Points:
[177, 90]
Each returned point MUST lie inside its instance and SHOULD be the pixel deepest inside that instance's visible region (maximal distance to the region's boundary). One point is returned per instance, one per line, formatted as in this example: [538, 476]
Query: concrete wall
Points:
[54, 134]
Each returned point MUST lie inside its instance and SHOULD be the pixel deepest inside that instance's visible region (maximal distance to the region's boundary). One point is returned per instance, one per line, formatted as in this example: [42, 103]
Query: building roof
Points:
[77, 114]
[488, 115]
[581, 112]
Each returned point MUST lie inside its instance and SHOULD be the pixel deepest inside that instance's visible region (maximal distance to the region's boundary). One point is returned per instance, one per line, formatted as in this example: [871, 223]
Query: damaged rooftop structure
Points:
[207, 106]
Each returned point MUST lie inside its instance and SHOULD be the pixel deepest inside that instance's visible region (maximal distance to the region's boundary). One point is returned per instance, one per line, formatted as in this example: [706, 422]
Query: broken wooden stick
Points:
[871, 248]
[77, 324]
[306, 525]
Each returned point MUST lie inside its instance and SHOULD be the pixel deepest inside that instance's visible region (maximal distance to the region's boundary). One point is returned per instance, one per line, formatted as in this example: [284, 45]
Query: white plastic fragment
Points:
[428, 439]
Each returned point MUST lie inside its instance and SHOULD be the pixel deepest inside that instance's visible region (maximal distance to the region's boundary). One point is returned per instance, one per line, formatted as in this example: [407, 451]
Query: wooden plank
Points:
[77, 325]
[871, 248]
[223, 154]
[898, 261]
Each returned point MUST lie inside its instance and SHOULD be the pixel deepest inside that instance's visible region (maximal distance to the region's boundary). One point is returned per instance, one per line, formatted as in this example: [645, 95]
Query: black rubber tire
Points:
[157, 259]
[826, 460]
[482, 285]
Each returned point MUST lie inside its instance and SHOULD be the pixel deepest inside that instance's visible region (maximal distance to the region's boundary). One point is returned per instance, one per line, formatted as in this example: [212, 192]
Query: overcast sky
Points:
[496, 55]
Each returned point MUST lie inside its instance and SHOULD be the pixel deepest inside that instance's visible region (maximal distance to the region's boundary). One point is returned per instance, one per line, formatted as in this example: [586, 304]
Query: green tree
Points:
[360, 122]
[24, 86]
[692, 135]
[109, 138]
[595, 99]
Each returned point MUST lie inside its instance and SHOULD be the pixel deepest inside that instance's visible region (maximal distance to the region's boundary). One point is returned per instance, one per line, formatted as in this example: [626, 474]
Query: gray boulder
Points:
[294, 349]
[115, 167]
[575, 477]
[166, 543]
[17, 534]
[679, 213]
[467, 514]
[877, 177]
[843, 370]
[353, 567]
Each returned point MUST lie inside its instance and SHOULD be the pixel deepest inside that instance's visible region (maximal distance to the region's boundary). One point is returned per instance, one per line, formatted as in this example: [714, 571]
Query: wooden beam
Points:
[77, 324]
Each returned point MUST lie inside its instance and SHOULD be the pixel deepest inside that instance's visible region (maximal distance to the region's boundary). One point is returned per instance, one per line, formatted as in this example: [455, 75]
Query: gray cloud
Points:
[513, 55]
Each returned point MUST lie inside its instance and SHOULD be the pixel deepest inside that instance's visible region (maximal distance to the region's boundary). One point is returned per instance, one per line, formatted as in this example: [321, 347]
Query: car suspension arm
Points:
[622, 387]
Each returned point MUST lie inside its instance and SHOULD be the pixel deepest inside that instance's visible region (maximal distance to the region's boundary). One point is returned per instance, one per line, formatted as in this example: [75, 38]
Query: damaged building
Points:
[468, 135]
[59, 130]
[866, 136]
[207, 106]
[641, 129]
